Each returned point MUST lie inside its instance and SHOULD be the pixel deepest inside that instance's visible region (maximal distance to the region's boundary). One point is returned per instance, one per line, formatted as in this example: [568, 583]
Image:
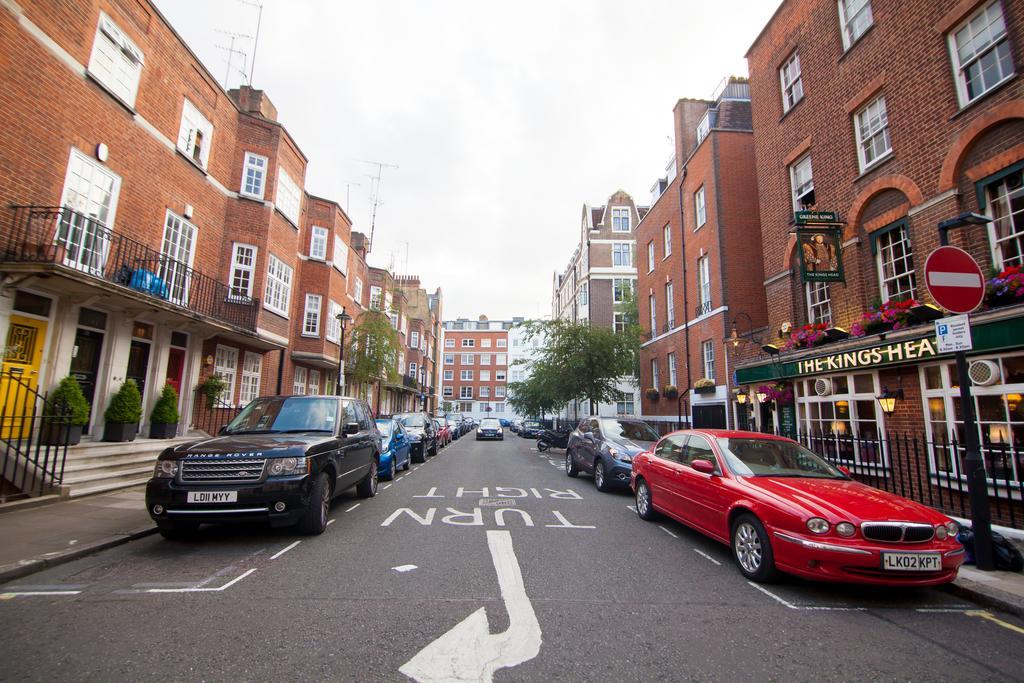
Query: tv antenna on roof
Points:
[375, 193]
[230, 49]
[256, 41]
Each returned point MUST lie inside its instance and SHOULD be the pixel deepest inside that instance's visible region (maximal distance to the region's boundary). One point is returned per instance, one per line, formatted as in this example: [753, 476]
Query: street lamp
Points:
[343, 318]
[974, 466]
[762, 396]
[887, 400]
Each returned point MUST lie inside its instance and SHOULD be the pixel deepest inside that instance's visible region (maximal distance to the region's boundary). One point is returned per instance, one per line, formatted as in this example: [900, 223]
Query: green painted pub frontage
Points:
[887, 407]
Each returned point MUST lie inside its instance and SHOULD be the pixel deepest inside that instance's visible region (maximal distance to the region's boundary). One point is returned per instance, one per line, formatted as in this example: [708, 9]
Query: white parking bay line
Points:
[281, 552]
[385, 487]
[707, 557]
[227, 585]
[24, 594]
[668, 532]
[773, 596]
[353, 507]
[631, 508]
[330, 522]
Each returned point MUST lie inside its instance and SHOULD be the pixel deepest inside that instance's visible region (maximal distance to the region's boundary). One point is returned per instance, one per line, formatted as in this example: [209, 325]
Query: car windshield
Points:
[278, 415]
[530, 423]
[443, 422]
[490, 423]
[774, 458]
[384, 427]
[628, 429]
[412, 420]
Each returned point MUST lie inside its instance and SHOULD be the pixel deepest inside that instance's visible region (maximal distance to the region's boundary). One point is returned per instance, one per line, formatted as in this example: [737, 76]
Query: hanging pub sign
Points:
[821, 258]
[816, 218]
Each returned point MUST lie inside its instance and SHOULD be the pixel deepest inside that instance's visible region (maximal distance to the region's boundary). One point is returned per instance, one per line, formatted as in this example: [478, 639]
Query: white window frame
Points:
[485, 392]
[254, 175]
[849, 26]
[468, 343]
[252, 367]
[886, 244]
[503, 343]
[376, 298]
[225, 366]
[340, 256]
[621, 219]
[704, 281]
[670, 306]
[820, 417]
[485, 343]
[650, 256]
[707, 354]
[801, 181]
[700, 208]
[358, 294]
[318, 243]
[333, 332]
[311, 316]
[413, 367]
[626, 403]
[819, 302]
[655, 375]
[1006, 230]
[670, 362]
[485, 375]
[314, 382]
[449, 343]
[414, 339]
[485, 359]
[175, 271]
[195, 126]
[465, 392]
[499, 375]
[299, 377]
[871, 127]
[449, 359]
[116, 62]
[791, 80]
[449, 375]
[615, 289]
[666, 237]
[278, 292]
[499, 392]
[467, 359]
[447, 392]
[288, 199]
[981, 21]
[704, 127]
[501, 359]
[653, 302]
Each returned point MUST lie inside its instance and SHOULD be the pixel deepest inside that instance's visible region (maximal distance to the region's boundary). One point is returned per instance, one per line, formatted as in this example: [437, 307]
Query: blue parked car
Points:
[504, 422]
[394, 448]
[605, 446]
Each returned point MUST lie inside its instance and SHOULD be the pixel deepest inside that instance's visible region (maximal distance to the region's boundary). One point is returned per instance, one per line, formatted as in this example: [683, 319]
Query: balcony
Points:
[83, 246]
[702, 309]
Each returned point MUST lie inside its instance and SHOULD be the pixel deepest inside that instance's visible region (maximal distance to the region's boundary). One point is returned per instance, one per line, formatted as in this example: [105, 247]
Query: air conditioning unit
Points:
[984, 372]
[823, 386]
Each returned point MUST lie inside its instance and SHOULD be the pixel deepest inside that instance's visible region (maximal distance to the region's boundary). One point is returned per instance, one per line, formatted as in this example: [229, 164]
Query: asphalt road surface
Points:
[486, 560]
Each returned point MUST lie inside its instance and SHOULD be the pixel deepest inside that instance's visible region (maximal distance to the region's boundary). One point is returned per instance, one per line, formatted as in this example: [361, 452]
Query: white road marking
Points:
[385, 487]
[330, 522]
[773, 596]
[227, 585]
[668, 532]
[812, 608]
[21, 594]
[353, 507]
[631, 508]
[707, 557]
[281, 552]
[469, 651]
[405, 568]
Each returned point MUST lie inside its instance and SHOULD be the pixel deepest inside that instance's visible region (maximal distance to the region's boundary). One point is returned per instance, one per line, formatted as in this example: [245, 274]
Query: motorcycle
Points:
[552, 439]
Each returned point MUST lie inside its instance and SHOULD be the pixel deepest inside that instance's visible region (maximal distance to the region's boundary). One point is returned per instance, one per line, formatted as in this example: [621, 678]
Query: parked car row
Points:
[778, 506]
[284, 458]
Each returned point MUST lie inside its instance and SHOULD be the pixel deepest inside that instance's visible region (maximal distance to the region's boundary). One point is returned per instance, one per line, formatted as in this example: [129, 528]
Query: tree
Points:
[372, 353]
[630, 310]
[581, 361]
[537, 394]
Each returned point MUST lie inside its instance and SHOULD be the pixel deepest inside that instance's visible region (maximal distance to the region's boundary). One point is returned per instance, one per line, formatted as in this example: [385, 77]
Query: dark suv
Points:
[422, 432]
[281, 461]
[606, 446]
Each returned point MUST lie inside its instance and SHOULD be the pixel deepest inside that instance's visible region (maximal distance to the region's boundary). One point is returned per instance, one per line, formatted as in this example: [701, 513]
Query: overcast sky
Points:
[503, 118]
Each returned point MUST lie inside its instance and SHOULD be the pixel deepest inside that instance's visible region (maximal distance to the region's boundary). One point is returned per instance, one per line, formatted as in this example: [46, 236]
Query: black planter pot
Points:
[120, 431]
[59, 434]
[705, 390]
[163, 430]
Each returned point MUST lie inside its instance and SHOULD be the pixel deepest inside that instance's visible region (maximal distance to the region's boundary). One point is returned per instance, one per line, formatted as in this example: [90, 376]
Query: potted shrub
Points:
[704, 386]
[123, 413]
[670, 392]
[66, 400]
[212, 387]
[651, 393]
[163, 421]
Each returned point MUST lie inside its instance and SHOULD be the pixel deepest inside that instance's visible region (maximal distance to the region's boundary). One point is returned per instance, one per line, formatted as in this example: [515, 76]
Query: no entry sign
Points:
[954, 279]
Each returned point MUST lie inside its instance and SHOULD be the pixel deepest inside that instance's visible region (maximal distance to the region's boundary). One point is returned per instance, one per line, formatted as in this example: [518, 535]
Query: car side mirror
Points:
[704, 466]
[844, 469]
[350, 429]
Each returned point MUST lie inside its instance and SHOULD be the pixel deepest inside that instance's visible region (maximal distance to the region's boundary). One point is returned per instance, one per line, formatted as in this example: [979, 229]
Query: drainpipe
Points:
[280, 371]
[686, 298]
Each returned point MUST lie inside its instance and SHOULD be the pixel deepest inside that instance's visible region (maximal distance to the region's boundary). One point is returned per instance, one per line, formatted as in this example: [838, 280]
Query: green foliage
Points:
[372, 353]
[446, 407]
[165, 411]
[631, 332]
[126, 406]
[68, 398]
[212, 387]
[576, 362]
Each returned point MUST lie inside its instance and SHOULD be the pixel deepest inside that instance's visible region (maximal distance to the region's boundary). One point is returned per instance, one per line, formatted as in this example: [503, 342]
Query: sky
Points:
[502, 119]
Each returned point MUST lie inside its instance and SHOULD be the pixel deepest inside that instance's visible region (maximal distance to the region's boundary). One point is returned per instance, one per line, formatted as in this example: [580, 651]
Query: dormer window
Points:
[620, 219]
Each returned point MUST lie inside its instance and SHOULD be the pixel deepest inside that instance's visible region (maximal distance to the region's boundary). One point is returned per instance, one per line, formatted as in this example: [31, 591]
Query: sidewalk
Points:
[39, 537]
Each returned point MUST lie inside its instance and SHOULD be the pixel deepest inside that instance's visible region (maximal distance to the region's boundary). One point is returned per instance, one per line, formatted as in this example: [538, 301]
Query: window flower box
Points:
[892, 315]
[670, 392]
[806, 337]
[704, 386]
[1006, 288]
[652, 394]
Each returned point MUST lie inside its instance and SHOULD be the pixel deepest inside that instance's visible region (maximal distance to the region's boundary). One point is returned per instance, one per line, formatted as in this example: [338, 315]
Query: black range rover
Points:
[281, 460]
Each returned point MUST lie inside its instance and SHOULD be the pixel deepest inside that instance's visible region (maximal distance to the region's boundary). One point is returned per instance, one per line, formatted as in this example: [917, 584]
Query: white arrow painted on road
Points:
[469, 651]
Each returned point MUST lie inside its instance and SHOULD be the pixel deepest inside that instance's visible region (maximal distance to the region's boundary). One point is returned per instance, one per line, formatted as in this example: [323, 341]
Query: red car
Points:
[781, 507]
[444, 432]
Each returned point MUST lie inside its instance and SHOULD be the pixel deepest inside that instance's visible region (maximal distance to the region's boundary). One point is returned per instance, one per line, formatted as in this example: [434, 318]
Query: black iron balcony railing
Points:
[410, 383]
[70, 239]
[702, 309]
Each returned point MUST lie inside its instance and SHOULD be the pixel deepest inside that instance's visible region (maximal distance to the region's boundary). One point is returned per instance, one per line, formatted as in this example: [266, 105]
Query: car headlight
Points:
[817, 525]
[619, 455]
[280, 467]
[941, 532]
[165, 469]
[845, 529]
[499, 430]
[952, 528]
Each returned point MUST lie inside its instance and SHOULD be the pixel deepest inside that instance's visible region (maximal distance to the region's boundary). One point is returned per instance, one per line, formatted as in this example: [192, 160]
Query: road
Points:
[534, 576]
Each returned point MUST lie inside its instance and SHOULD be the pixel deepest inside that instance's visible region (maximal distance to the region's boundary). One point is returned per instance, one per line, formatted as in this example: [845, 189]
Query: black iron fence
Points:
[210, 415]
[34, 436]
[70, 239]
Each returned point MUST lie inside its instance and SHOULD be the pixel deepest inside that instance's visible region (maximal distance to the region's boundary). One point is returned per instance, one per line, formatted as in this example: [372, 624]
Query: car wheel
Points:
[408, 461]
[433, 449]
[177, 531]
[644, 508]
[752, 549]
[570, 465]
[314, 519]
[367, 488]
[542, 446]
[417, 455]
[390, 474]
[600, 480]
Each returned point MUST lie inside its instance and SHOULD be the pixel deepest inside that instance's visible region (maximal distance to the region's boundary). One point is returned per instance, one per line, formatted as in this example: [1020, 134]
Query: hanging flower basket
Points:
[892, 315]
[1006, 288]
[704, 386]
[806, 337]
[780, 393]
[652, 394]
[670, 392]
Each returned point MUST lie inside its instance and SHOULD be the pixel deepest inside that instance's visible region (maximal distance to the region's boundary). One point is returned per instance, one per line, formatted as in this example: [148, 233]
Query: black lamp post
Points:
[974, 466]
[344, 319]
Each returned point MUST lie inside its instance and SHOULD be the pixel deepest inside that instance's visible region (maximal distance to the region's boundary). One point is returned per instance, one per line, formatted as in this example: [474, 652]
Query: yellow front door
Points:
[19, 372]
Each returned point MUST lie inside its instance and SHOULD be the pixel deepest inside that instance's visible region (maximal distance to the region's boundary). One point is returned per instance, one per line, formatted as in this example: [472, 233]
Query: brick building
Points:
[598, 280]
[155, 226]
[894, 117]
[475, 367]
[699, 264]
